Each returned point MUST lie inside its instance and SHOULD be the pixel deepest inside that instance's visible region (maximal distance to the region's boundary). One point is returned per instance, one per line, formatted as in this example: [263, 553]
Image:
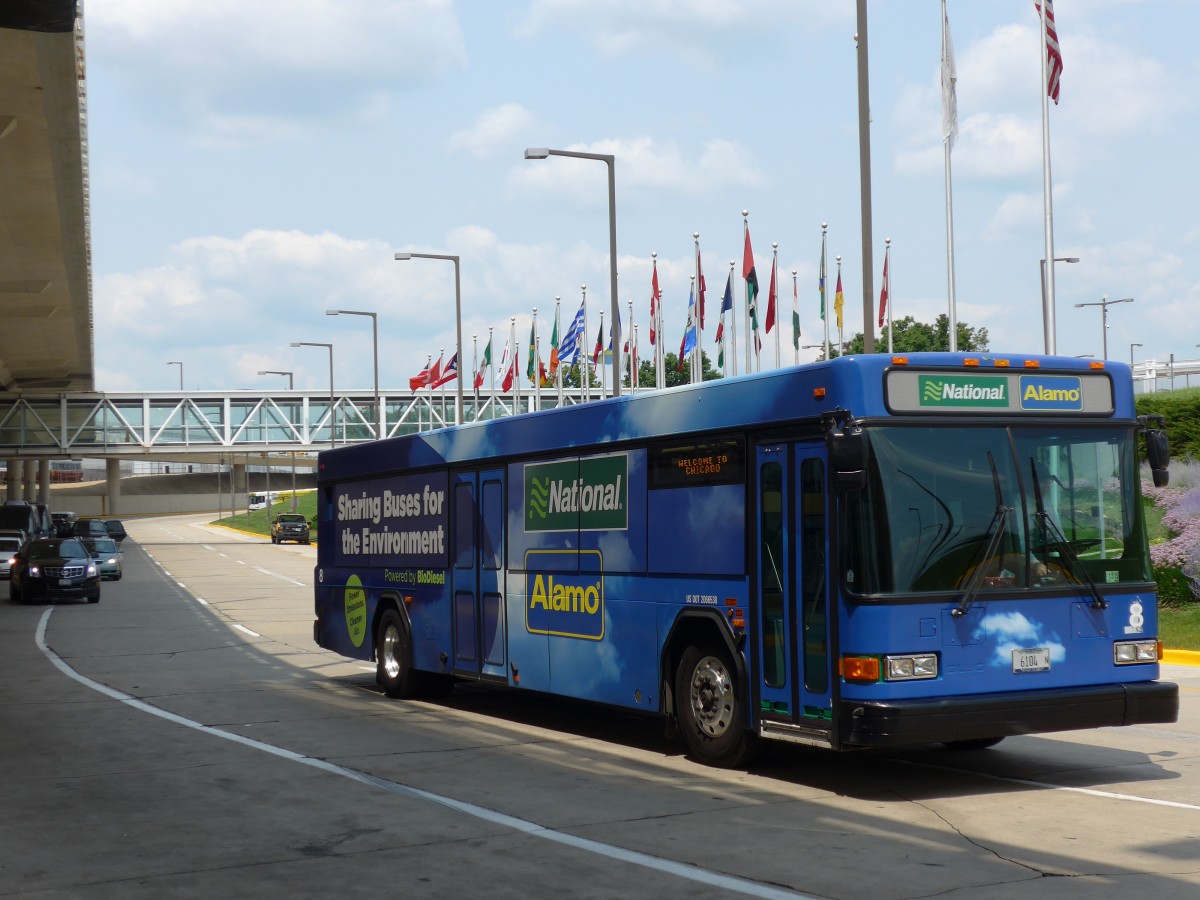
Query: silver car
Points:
[9, 545]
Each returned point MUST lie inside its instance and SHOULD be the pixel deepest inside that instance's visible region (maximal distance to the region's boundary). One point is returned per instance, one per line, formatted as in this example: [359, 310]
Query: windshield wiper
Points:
[1050, 527]
[995, 535]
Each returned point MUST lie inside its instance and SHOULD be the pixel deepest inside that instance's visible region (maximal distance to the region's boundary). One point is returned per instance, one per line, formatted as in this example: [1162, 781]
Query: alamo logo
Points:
[970, 391]
[565, 604]
[578, 495]
[1061, 392]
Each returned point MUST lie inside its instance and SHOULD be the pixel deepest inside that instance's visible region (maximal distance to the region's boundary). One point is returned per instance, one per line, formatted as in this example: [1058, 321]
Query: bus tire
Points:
[708, 705]
[394, 658]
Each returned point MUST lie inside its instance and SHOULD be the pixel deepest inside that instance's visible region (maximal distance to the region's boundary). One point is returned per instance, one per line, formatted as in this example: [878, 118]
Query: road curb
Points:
[1182, 657]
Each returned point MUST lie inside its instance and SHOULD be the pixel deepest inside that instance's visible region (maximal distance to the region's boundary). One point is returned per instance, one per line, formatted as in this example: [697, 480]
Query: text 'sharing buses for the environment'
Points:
[874, 551]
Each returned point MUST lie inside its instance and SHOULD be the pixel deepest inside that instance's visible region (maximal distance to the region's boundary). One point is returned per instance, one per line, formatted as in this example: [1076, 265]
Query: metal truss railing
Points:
[103, 424]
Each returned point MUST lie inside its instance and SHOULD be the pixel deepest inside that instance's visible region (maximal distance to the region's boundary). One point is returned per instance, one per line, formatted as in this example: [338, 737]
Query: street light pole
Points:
[180, 372]
[1131, 346]
[609, 160]
[329, 347]
[1047, 315]
[458, 345]
[291, 386]
[1104, 304]
[375, 352]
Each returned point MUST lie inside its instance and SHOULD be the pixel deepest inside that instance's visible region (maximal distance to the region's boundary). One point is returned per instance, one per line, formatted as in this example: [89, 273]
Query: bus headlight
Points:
[910, 667]
[1127, 653]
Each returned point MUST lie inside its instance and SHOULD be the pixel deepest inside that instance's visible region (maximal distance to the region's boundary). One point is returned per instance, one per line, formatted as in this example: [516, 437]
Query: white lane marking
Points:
[240, 627]
[524, 826]
[1049, 786]
[277, 575]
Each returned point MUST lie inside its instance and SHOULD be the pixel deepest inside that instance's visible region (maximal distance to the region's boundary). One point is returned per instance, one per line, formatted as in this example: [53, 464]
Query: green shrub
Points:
[1174, 589]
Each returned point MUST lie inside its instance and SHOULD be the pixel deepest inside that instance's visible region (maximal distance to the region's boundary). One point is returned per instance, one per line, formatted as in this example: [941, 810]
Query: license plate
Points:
[64, 582]
[1034, 659]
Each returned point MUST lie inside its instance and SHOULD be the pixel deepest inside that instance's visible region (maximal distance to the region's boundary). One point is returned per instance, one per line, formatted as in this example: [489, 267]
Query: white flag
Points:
[949, 79]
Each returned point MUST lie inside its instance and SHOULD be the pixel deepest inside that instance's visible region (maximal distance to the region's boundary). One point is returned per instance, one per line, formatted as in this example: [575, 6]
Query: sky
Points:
[253, 165]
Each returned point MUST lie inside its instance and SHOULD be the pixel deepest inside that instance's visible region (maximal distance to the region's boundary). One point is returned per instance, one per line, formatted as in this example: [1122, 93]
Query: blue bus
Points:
[874, 551]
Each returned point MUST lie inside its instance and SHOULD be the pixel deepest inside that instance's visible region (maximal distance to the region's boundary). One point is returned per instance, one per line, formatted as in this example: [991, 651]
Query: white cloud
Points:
[494, 131]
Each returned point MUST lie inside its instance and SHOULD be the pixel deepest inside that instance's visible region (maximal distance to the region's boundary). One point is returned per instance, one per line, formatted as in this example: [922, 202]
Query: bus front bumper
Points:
[900, 723]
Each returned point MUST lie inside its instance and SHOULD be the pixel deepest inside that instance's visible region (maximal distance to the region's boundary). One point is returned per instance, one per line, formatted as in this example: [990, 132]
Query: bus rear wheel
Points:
[394, 658]
[709, 708]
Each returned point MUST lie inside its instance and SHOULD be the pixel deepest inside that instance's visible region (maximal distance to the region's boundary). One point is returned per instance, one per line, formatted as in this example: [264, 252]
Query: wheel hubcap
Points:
[712, 696]
[387, 652]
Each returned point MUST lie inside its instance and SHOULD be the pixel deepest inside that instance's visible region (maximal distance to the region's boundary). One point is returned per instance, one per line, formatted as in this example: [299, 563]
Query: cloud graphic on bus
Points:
[1012, 631]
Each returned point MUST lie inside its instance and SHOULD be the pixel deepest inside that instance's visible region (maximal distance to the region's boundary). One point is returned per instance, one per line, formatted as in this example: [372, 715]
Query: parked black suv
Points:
[289, 527]
[116, 530]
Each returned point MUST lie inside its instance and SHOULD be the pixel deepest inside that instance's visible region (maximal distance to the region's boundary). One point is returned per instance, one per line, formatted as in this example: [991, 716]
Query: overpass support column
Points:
[14, 479]
[112, 475]
[239, 482]
[43, 482]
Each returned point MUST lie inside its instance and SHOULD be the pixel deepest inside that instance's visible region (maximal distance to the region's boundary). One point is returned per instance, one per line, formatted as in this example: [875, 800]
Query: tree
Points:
[673, 375]
[911, 336]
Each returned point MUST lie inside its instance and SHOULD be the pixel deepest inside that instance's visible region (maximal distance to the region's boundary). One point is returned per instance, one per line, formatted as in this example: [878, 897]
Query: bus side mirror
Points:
[848, 458]
[1158, 453]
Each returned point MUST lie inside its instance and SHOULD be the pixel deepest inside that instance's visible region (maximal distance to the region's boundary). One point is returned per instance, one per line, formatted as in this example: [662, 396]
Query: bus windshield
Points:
[999, 508]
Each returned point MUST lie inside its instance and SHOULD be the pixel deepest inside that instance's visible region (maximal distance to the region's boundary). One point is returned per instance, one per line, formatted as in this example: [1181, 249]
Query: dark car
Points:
[289, 527]
[63, 523]
[54, 569]
[116, 530]
[106, 555]
[20, 516]
[90, 528]
[9, 545]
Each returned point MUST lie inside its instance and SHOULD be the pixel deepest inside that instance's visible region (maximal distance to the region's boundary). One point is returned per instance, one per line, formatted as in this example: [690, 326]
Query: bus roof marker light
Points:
[819, 393]
[899, 360]
[1001, 364]
[971, 363]
[1032, 364]
[1096, 364]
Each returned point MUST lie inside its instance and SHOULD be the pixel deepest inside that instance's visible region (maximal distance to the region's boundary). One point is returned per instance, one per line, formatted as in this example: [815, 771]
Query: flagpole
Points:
[732, 339]
[633, 352]
[824, 290]
[585, 380]
[558, 365]
[697, 282]
[491, 374]
[632, 372]
[949, 133]
[420, 411]
[746, 285]
[512, 324]
[1047, 202]
[655, 327]
[441, 392]
[775, 281]
[600, 344]
[474, 369]
[662, 348]
[887, 261]
[535, 347]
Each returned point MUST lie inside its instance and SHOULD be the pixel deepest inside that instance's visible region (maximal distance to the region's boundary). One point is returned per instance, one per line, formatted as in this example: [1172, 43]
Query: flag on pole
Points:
[420, 380]
[508, 368]
[751, 278]
[949, 82]
[1054, 59]
[700, 287]
[483, 367]
[838, 299]
[822, 278]
[795, 313]
[554, 344]
[572, 341]
[435, 373]
[531, 366]
[599, 344]
[726, 304]
[689, 334]
[883, 293]
[655, 299]
[447, 374]
[771, 298]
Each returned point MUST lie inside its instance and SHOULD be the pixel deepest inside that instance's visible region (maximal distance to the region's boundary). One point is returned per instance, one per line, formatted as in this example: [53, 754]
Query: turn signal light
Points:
[860, 668]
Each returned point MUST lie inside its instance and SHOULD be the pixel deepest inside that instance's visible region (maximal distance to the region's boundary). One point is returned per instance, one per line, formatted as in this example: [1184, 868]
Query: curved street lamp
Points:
[329, 347]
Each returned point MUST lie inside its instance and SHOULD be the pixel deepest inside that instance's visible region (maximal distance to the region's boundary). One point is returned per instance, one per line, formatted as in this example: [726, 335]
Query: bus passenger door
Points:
[477, 574]
[793, 631]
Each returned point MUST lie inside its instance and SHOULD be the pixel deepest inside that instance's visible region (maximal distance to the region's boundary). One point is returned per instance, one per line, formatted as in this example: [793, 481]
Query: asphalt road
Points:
[185, 738]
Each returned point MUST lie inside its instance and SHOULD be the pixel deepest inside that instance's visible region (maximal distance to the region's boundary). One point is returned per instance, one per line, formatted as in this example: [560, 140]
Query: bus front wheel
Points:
[395, 672]
[709, 708]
